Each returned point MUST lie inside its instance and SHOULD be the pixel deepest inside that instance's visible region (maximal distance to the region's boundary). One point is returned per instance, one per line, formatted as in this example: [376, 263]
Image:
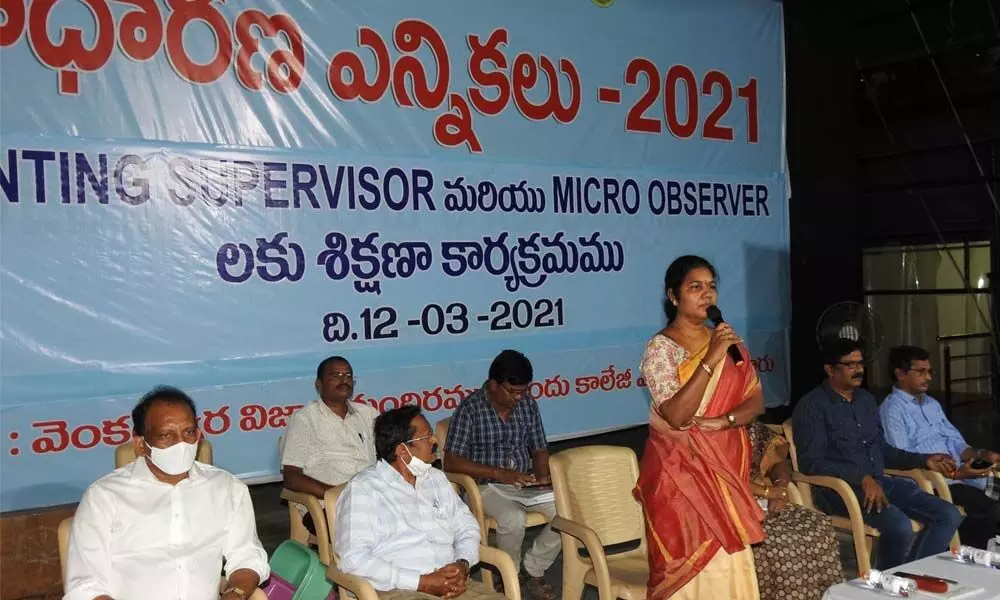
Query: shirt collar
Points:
[140, 470]
[329, 411]
[388, 473]
[906, 395]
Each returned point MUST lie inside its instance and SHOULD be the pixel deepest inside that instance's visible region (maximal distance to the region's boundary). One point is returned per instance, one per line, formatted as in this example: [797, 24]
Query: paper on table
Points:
[526, 496]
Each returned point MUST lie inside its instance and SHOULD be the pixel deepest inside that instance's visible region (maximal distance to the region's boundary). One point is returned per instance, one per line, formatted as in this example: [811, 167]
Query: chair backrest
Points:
[787, 427]
[441, 433]
[65, 526]
[593, 486]
[125, 454]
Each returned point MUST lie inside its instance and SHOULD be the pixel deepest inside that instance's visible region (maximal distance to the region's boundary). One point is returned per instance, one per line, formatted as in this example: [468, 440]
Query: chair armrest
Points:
[939, 484]
[850, 500]
[315, 508]
[352, 583]
[472, 498]
[916, 475]
[508, 572]
[594, 547]
[794, 495]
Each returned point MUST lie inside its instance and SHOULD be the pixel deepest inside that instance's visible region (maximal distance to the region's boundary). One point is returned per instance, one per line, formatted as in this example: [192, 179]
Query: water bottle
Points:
[977, 556]
[901, 586]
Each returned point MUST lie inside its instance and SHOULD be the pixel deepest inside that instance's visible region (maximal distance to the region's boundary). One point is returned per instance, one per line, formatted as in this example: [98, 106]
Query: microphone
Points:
[715, 316]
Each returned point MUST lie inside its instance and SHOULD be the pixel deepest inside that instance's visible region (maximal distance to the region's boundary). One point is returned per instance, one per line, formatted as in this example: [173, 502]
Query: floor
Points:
[978, 422]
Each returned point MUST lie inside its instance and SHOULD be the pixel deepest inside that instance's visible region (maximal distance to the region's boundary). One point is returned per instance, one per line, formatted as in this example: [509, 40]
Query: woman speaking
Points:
[693, 481]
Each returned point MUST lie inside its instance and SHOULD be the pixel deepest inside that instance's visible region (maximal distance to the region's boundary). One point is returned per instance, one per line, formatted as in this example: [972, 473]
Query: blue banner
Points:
[218, 196]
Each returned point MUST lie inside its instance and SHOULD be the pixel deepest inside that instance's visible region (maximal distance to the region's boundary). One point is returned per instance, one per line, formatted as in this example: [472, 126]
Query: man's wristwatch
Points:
[235, 590]
[465, 564]
[731, 418]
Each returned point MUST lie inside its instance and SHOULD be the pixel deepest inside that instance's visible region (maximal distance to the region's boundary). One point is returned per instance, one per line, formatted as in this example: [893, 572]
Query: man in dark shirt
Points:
[838, 433]
[497, 436]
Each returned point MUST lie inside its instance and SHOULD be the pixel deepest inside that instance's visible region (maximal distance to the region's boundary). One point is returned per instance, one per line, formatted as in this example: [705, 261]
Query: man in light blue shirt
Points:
[914, 421]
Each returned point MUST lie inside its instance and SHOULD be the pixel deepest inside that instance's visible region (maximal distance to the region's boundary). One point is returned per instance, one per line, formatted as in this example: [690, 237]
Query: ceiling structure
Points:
[917, 179]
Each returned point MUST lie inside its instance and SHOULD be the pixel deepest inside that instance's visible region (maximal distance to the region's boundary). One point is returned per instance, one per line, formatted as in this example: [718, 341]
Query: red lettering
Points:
[77, 436]
[71, 54]
[432, 400]
[454, 128]
[116, 432]
[749, 93]
[285, 68]
[636, 120]
[253, 417]
[409, 398]
[535, 390]
[184, 13]
[525, 77]
[358, 86]
[683, 74]
[14, 20]
[408, 36]
[712, 130]
[146, 19]
[496, 78]
[384, 401]
[556, 387]
[44, 445]
[608, 378]
[278, 416]
[222, 414]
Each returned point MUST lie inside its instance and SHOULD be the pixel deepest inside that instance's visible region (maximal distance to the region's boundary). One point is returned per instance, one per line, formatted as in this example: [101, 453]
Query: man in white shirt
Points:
[161, 527]
[329, 440]
[400, 524]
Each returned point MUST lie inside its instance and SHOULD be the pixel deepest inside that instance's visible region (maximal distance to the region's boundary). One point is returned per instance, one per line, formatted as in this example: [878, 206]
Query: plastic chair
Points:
[863, 535]
[601, 523]
[295, 566]
[471, 489]
[314, 506]
[66, 526]
[940, 486]
[125, 454]
[364, 591]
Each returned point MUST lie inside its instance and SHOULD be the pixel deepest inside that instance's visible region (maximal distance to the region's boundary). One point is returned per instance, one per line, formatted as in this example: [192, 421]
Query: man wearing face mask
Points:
[400, 524]
[838, 433]
[159, 528]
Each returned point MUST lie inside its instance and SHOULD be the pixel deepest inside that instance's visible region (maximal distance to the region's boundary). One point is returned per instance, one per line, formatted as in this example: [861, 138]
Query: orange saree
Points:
[693, 484]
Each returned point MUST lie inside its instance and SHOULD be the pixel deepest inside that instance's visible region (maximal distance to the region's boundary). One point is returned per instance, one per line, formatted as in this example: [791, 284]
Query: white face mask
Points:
[176, 459]
[417, 466]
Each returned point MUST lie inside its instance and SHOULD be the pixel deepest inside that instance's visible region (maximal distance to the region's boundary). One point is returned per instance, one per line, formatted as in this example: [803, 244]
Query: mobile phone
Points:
[981, 464]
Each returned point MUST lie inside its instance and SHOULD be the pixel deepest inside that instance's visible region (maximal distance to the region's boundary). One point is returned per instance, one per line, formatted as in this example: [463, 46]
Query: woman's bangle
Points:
[707, 368]
[767, 492]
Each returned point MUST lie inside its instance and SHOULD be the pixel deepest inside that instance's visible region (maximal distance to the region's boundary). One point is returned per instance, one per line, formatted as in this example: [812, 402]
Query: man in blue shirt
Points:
[838, 433]
[914, 421]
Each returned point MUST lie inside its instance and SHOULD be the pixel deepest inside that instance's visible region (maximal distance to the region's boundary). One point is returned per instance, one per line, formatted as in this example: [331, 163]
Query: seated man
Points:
[914, 421]
[400, 524]
[161, 526]
[330, 439]
[838, 433]
[496, 435]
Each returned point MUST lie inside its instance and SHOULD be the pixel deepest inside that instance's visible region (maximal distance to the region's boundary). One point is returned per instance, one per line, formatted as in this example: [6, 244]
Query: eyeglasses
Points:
[852, 364]
[341, 376]
[419, 439]
[923, 371]
[514, 392]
